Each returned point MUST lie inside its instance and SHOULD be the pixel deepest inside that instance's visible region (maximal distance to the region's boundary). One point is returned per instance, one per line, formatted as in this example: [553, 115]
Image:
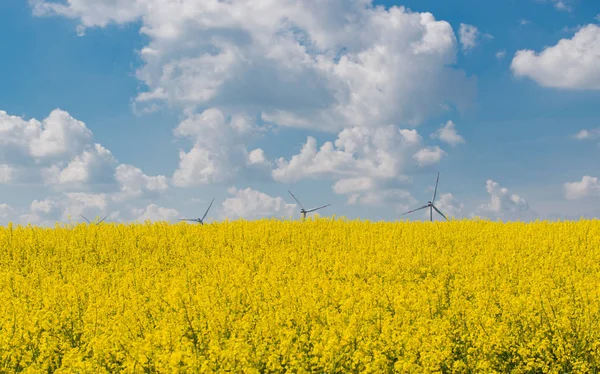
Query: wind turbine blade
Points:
[102, 220]
[436, 185]
[437, 210]
[204, 216]
[296, 199]
[321, 207]
[82, 216]
[188, 219]
[414, 210]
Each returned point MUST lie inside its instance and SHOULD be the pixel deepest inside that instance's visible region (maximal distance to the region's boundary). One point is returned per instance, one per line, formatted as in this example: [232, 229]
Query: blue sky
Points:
[187, 102]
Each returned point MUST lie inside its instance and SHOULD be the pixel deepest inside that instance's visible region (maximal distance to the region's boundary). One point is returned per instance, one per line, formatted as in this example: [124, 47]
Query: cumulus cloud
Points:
[371, 192]
[70, 206]
[390, 197]
[500, 54]
[6, 173]
[7, 214]
[448, 134]
[366, 164]
[570, 64]
[350, 64]
[468, 36]
[588, 186]
[351, 68]
[218, 154]
[59, 151]
[45, 206]
[379, 153]
[429, 156]
[449, 205]
[349, 185]
[97, 13]
[563, 5]
[134, 183]
[66, 207]
[94, 166]
[502, 203]
[77, 203]
[58, 136]
[154, 212]
[249, 203]
[587, 134]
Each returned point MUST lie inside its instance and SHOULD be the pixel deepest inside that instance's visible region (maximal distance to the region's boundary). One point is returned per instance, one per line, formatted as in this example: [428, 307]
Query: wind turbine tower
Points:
[199, 220]
[96, 222]
[304, 211]
[430, 203]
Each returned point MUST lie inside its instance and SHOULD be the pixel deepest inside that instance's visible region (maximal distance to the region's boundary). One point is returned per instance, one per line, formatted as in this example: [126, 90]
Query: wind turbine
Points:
[199, 220]
[88, 221]
[304, 211]
[430, 203]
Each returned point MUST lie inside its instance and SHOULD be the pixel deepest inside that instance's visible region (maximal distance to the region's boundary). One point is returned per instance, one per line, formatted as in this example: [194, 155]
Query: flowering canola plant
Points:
[325, 295]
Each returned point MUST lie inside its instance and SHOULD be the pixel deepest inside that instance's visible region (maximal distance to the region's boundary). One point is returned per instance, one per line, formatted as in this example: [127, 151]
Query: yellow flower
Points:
[323, 295]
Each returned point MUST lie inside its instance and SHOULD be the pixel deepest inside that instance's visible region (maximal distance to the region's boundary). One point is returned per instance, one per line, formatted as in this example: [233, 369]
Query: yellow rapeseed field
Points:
[324, 295]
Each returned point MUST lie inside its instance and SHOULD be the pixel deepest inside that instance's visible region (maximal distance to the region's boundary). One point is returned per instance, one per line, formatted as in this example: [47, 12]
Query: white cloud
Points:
[218, 154]
[60, 151]
[91, 13]
[572, 29]
[6, 174]
[58, 136]
[389, 197]
[367, 191]
[154, 212]
[77, 203]
[570, 64]
[502, 202]
[94, 166]
[429, 156]
[349, 185]
[6, 214]
[587, 134]
[67, 207]
[448, 134]
[597, 18]
[133, 182]
[468, 35]
[250, 203]
[380, 153]
[366, 164]
[350, 64]
[44, 206]
[448, 205]
[500, 54]
[589, 186]
[257, 156]
[562, 5]
[524, 22]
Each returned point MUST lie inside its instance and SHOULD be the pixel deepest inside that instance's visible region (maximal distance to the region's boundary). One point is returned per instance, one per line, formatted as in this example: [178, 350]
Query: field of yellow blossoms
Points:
[326, 295]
